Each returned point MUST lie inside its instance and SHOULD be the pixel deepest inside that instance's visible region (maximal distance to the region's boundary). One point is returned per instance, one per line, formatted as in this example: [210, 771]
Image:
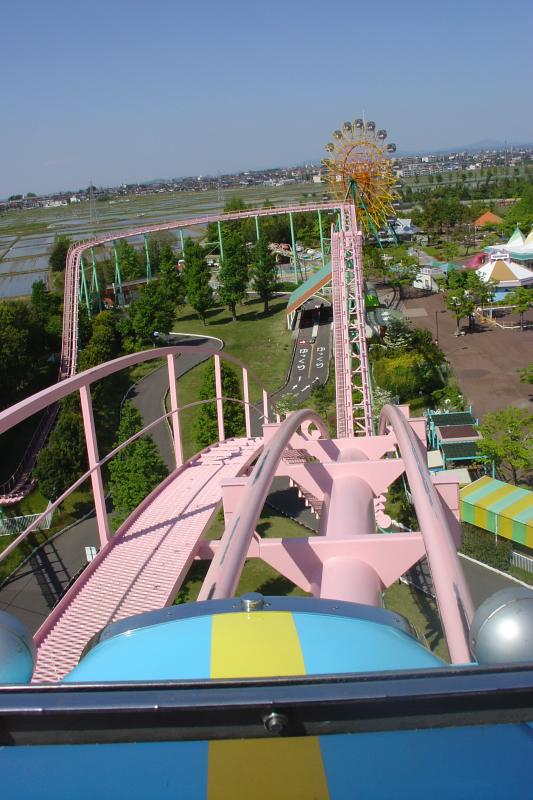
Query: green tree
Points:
[479, 290]
[105, 342]
[130, 261]
[58, 254]
[522, 298]
[170, 282]
[408, 375]
[521, 213]
[46, 312]
[403, 269]
[196, 276]
[137, 469]
[398, 336]
[152, 312]
[206, 426]
[264, 272]
[461, 304]
[18, 350]
[373, 260]
[233, 275]
[508, 439]
[64, 458]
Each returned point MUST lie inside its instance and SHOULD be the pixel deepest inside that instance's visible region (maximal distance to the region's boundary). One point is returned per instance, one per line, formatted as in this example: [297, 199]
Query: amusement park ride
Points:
[121, 692]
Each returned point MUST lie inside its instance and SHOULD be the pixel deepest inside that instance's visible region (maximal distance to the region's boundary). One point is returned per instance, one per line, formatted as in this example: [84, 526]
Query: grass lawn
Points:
[74, 507]
[421, 611]
[256, 575]
[261, 342]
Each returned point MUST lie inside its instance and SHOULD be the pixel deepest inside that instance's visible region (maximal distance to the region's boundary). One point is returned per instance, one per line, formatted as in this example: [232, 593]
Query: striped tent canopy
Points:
[500, 508]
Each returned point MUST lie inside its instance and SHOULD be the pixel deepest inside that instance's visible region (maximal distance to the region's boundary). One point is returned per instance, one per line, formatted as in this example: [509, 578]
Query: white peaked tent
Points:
[518, 247]
[505, 273]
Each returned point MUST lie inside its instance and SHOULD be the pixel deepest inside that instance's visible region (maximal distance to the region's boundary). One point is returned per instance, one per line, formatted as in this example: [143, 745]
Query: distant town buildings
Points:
[407, 167]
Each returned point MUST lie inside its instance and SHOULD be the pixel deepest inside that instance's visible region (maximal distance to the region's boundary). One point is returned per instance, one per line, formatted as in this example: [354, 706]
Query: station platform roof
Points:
[459, 451]
[451, 418]
[309, 287]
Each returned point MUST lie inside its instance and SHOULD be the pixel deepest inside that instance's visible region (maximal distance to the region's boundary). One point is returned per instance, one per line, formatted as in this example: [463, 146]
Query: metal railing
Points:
[522, 561]
[15, 525]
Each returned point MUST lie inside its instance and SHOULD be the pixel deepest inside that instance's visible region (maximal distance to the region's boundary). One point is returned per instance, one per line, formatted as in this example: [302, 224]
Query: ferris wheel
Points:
[359, 167]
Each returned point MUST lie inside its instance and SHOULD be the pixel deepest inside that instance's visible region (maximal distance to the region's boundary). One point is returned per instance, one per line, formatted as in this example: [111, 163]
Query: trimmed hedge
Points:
[483, 546]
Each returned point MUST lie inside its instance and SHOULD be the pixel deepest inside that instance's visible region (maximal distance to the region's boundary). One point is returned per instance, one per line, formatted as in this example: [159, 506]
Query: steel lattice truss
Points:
[353, 393]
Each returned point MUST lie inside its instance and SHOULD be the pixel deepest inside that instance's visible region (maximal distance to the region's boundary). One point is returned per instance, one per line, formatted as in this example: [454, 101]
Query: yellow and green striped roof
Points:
[500, 498]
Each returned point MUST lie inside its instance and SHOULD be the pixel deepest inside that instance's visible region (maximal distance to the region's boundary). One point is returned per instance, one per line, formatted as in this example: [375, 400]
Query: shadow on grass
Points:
[427, 607]
[278, 586]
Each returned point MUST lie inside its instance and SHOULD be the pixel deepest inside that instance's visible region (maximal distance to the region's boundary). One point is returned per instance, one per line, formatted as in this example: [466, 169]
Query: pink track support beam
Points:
[265, 407]
[220, 402]
[41, 400]
[96, 476]
[246, 394]
[453, 596]
[173, 393]
[224, 572]
[351, 579]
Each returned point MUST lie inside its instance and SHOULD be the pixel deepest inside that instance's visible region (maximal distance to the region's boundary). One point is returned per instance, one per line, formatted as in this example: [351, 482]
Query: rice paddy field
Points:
[26, 237]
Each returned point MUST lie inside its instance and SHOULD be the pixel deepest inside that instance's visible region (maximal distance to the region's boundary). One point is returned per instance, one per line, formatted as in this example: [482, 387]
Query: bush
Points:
[407, 375]
[483, 546]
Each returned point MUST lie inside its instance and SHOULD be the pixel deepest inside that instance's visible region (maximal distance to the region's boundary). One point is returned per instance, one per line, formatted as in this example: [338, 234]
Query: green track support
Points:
[220, 241]
[84, 289]
[257, 234]
[148, 265]
[118, 278]
[95, 284]
[182, 243]
[321, 238]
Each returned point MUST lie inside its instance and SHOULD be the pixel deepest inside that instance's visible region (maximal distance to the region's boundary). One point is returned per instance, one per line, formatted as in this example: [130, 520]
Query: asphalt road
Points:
[311, 359]
[148, 395]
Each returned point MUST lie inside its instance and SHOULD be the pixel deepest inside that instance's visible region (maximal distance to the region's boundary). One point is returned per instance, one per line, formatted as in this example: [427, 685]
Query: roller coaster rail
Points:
[21, 481]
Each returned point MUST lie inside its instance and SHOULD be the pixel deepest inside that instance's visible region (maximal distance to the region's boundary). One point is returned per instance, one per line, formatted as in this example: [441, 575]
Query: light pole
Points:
[437, 325]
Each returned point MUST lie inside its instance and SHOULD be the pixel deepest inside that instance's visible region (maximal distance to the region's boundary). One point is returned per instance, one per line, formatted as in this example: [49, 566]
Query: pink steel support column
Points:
[224, 572]
[265, 406]
[246, 394]
[96, 476]
[178, 450]
[220, 402]
[351, 579]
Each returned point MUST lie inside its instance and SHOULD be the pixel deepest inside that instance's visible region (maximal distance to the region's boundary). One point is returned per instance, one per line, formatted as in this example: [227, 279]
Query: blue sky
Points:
[126, 90]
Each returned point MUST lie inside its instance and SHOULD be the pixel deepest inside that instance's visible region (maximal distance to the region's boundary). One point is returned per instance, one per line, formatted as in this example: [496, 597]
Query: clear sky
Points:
[124, 90]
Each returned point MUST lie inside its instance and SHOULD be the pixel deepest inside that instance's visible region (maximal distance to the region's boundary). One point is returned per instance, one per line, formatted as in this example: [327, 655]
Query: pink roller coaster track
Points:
[21, 482]
[144, 564]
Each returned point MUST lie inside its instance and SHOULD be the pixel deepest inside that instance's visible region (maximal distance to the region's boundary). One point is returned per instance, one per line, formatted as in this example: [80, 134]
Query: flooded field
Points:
[26, 237]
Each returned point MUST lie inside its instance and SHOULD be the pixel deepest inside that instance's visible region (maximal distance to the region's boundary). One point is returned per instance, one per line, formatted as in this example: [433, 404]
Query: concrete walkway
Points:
[485, 362]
